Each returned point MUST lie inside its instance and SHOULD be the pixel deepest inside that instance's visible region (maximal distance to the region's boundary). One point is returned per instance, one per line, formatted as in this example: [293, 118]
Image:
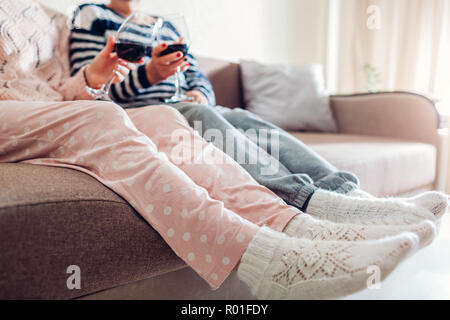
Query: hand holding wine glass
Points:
[99, 71]
[134, 40]
[198, 97]
[163, 67]
[175, 35]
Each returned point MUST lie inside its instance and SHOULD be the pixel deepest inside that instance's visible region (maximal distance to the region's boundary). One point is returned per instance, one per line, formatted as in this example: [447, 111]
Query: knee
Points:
[103, 112]
[234, 115]
[165, 114]
[197, 111]
[101, 116]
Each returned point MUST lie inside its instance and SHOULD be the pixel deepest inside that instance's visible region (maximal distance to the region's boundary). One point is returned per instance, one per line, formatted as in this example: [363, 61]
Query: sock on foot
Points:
[276, 266]
[308, 227]
[344, 209]
[435, 202]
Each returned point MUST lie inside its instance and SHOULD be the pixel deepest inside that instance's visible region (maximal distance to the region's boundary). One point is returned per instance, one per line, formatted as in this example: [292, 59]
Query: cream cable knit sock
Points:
[435, 202]
[276, 266]
[343, 209]
[307, 227]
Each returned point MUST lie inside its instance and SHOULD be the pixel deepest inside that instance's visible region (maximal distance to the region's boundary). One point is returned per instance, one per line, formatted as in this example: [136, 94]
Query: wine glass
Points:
[175, 33]
[134, 40]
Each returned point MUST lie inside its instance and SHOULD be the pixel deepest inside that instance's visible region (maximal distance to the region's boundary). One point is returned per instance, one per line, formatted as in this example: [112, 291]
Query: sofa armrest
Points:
[400, 115]
[395, 114]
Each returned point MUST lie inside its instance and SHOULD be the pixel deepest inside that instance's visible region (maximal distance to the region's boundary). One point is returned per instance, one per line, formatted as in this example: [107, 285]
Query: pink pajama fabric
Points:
[207, 211]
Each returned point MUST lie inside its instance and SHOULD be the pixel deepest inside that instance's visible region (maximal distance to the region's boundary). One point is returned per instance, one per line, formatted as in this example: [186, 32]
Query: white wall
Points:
[271, 31]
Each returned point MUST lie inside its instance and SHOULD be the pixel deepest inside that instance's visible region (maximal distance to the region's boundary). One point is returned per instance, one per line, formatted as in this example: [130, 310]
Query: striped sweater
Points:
[92, 26]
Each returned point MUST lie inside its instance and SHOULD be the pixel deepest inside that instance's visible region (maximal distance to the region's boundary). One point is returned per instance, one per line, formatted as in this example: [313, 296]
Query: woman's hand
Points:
[198, 96]
[163, 67]
[106, 65]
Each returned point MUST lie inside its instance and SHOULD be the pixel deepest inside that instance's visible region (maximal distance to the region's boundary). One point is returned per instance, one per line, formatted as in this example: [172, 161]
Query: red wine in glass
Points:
[131, 51]
[175, 48]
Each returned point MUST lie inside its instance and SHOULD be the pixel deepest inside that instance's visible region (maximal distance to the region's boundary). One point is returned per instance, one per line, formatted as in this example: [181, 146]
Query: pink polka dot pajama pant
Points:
[203, 204]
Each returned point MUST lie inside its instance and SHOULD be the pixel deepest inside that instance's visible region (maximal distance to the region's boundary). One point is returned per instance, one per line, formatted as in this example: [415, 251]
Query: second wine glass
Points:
[175, 34]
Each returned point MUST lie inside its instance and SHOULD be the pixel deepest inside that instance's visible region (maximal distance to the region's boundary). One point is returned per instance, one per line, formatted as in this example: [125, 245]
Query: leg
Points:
[299, 158]
[209, 168]
[293, 154]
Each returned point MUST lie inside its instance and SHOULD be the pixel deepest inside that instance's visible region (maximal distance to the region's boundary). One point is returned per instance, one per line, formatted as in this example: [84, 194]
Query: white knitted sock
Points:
[435, 202]
[343, 209]
[308, 227]
[276, 266]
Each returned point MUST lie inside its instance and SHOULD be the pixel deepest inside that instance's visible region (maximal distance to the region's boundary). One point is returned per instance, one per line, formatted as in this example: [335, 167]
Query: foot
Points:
[307, 227]
[276, 266]
[435, 202]
[344, 209]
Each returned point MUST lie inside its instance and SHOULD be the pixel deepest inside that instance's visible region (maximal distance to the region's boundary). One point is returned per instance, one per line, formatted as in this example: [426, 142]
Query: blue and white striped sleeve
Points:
[92, 27]
[196, 80]
[85, 41]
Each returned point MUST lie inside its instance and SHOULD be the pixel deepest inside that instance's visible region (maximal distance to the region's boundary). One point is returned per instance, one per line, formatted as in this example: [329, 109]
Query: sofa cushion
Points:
[291, 97]
[52, 218]
[385, 166]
